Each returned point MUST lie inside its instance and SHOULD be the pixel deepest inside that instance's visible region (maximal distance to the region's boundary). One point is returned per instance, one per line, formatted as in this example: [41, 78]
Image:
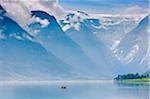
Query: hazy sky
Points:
[107, 6]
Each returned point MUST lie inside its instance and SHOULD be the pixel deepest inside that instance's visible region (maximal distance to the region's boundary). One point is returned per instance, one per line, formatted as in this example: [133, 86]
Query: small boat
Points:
[63, 87]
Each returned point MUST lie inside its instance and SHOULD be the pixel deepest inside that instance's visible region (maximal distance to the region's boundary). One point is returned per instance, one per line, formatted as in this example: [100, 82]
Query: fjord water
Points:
[74, 91]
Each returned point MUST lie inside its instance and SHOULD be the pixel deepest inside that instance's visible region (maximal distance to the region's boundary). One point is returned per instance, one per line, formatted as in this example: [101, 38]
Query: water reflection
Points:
[75, 91]
[139, 90]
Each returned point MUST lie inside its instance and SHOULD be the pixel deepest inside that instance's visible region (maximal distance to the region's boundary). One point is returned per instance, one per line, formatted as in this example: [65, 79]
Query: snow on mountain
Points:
[103, 34]
[80, 45]
[106, 27]
[11, 32]
[20, 10]
[114, 28]
[73, 20]
[21, 58]
[133, 49]
[85, 37]
[55, 40]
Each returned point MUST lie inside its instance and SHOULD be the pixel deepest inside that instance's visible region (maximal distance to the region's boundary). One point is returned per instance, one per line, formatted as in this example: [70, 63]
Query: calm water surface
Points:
[74, 91]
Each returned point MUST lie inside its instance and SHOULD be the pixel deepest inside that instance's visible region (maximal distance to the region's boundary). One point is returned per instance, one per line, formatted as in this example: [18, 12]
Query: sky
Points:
[19, 10]
[107, 6]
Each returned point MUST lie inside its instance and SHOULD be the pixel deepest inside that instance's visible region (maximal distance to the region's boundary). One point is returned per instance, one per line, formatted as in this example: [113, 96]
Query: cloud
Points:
[135, 9]
[20, 10]
[43, 22]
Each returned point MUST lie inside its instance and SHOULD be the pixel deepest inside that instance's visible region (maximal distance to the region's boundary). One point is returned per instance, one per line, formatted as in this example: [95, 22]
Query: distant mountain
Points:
[101, 37]
[81, 27]
[133, 50]
[21, 58]
[55, 40]
[79, 46]
[114, 28]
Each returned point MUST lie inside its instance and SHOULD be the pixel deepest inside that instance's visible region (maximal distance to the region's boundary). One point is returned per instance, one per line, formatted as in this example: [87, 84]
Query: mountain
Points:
[102, 37]
[133, 50]
[55, 40]
[2, 10]
[79, 46]
[81, 28]
[22, 58]
[114, 27]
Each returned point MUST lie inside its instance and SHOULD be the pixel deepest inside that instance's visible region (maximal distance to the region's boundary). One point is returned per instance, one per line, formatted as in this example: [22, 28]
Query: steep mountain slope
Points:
[21, 58]
[102, 39]
[55, 40]
[81, 28]
[83, 47]
[114, 28]
[133, 50]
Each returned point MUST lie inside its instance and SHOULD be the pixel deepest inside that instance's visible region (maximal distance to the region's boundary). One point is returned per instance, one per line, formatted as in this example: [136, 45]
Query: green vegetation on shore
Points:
[140, 80]
[133, 78]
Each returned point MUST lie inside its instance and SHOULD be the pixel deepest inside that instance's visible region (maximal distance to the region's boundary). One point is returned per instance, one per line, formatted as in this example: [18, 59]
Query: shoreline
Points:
[134, 81]
[59, 82]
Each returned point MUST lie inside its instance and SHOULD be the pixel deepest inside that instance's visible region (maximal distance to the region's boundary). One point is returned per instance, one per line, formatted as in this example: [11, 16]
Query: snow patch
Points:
[131, 55]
